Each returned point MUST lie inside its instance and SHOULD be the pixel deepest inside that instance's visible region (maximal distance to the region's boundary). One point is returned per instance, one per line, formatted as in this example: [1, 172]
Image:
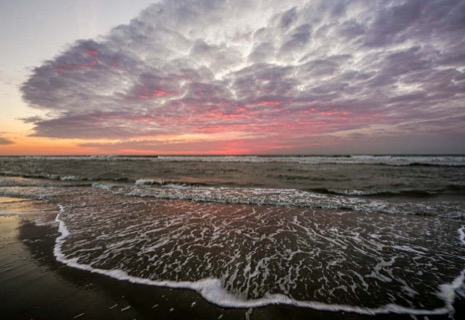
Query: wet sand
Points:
[33, 285]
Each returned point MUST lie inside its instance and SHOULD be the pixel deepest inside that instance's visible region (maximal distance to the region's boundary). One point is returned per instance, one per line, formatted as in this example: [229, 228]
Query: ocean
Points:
[361, 234]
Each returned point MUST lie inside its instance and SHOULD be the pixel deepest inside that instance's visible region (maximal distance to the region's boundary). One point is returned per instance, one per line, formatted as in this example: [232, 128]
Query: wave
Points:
[42, 184]
[46, 176]
[291, 198]
[119, 204]
[373, 193]
[90, 180]
[212, 289]
[389, 191]
[65, 178]
[413, 193]
[420, 164]
[446, 202]
[385, 160]
[381, 160]
[171, 183]
[456, 188]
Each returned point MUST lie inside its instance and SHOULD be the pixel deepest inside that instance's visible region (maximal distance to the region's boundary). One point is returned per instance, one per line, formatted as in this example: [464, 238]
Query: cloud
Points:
[271, 68]
[4, 141]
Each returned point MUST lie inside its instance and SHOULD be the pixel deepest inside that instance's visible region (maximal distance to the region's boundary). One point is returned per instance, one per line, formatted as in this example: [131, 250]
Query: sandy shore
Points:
[33, 285]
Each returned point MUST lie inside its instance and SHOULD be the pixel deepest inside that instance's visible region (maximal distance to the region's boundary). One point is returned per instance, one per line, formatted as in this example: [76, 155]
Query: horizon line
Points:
[237, 155]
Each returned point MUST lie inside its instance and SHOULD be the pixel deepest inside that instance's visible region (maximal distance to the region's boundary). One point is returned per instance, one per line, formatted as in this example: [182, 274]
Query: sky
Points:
[232, 77]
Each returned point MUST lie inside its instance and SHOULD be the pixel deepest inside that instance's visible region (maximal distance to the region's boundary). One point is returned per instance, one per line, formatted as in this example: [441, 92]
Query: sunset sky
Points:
[232, 77]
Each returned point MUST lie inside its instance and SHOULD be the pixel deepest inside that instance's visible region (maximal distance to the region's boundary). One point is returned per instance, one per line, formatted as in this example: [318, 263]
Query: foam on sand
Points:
[213, 290]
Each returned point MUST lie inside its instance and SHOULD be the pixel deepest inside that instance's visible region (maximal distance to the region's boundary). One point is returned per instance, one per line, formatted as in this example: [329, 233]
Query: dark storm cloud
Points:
[299, 68]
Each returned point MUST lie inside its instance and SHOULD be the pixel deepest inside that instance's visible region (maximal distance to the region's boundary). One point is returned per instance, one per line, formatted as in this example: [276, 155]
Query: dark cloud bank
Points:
[289, 74]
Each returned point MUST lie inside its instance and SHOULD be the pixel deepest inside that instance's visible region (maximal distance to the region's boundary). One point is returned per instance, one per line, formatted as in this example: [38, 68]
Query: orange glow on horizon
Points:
[37, 146]
[44, 146]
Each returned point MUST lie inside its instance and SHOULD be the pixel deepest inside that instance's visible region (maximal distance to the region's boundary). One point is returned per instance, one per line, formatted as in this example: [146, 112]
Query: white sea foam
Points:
[447, 291]
[462, 235]
[69, 178]
[149, 182]
[286, 197]
[352, 192]
[103, 185]
[212, 289]
[410, 249]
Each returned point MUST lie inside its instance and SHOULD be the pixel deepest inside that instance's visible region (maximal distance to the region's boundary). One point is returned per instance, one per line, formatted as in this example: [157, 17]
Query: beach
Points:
[35, 286]
[92, 248]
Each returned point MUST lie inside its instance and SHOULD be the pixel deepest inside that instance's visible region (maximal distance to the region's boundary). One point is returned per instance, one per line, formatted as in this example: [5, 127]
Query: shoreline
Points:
[35, 285]
[232, 301]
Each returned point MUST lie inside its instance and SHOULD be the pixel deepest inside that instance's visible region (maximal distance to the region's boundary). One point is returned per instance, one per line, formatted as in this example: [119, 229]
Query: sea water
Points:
[368, 234]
